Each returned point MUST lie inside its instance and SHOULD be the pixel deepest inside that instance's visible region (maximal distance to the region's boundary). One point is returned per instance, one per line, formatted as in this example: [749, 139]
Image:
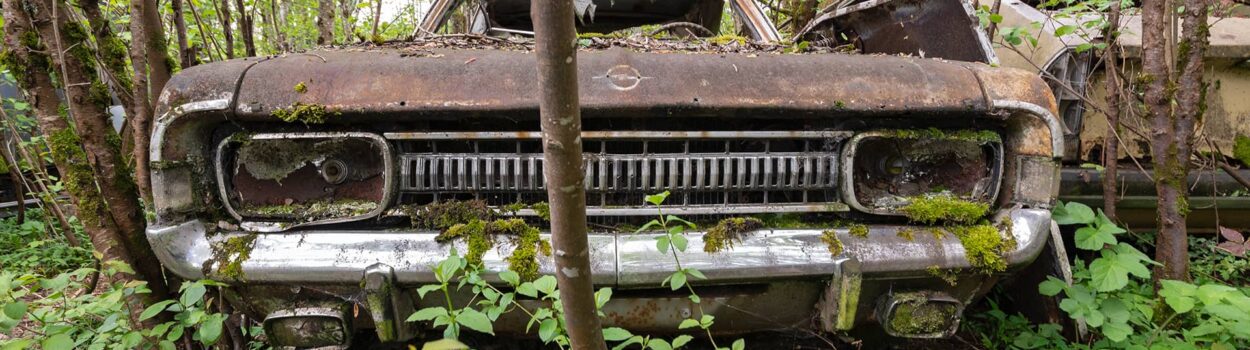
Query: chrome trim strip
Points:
[627, 260]
[1054, 123]
[162, 123]
[512, 135]
[388, 180]
[715, 209]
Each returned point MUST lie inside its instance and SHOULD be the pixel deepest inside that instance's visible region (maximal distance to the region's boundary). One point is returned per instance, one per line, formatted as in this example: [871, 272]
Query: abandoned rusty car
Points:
[886, 193]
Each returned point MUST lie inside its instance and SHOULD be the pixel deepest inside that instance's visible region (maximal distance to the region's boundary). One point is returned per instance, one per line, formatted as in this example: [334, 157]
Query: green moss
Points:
[943, 208]
[938, 233]
[481, 236]
[314, 210]
[978, 136]
[723, 235]
[304, 113]
[858, 230]
[948, 276]
[542, 209]
[301, 88]
[984, 247]
[907, 233]
[512, 208]
[1241, 149]
[914, 316]
[830, 237]
[443, 215]
[727, 39]
[230, 254]
[79, 179]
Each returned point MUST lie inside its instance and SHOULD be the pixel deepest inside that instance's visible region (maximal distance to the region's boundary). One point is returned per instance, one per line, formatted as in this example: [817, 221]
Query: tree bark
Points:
[555, 45]
[1114, 88]
[88, 101]
[347, 9]
[223, 15]
[246, 29]
[1174, 104]
[186, 57]
[325, 22]
[377, 18]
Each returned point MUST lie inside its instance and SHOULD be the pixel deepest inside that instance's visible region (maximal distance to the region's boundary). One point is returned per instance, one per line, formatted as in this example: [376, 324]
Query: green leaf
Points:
[1178, 295]
[1117, 332]
[696, 273]
[631, 341]
[616, 334]
[648, 225]
[602, 296]
[674, 218]
[527, 289]
[421, 292]
[193, 294]
[511, 277]
[152, 311]
[1072, 213]
[210, 330]
[1065, 30]
[546, 284]
[1107, 273]
[680, 242]
[475, 320]
[427, 314]
[688, 323]
[658, 344]
[657, 198]
[1051, 287]
[18, 344]
[681, 340]
[661, 244]
[15, 310]
[1090, 238]
[547, 329]
[739, 344]
[1105, 224]
[677, 280]
[57, 342]
[996, 18]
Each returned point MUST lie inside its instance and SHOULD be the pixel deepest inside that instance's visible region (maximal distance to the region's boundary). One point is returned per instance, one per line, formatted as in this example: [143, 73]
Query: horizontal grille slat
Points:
[623, 173]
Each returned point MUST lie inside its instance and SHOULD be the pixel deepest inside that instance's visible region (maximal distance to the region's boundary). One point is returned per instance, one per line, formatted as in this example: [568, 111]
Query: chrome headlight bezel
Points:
[851, 149]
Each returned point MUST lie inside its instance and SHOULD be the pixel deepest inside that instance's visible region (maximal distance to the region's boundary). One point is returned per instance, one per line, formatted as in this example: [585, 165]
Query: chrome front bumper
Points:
[619, 260]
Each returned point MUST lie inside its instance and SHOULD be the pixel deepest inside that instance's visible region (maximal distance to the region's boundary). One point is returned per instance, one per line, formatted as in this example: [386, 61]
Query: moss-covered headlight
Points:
[886, 171]
[288, 179]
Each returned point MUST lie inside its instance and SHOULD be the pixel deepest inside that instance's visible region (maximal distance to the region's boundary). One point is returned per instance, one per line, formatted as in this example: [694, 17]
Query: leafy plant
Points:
[59, 313]
[29, 247]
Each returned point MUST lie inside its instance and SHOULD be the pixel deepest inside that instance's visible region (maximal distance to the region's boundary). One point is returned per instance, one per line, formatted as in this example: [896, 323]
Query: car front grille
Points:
[707, 173]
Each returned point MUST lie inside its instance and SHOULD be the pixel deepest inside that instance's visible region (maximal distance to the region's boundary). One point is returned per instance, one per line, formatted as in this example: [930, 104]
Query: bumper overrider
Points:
[321, 278]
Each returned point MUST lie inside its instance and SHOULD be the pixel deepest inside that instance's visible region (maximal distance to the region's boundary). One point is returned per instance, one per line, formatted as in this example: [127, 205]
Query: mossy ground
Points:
[943, 208]
[728, 231]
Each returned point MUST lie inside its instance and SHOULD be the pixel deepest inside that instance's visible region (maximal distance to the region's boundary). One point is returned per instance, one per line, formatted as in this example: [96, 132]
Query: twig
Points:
[692, 27]
[1233, 173]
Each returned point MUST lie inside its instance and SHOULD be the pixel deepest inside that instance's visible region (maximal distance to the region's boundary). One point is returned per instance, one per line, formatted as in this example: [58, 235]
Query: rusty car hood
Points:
[383, 82]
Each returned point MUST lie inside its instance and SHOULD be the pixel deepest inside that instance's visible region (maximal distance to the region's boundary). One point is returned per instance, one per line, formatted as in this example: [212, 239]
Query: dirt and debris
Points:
[729, 231]
[308, 114]
[443, 215]
[273, 159]
[314, 210]
[427, 46]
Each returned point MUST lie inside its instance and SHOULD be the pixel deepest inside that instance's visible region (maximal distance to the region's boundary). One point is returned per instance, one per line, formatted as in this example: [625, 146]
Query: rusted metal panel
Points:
[390, 81]
[926, 28]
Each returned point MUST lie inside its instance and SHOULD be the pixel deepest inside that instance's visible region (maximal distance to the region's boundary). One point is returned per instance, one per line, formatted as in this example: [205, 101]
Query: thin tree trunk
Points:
[246, 29]
[347, 8]
[555, 44]
[88, 102]
[185, 56]
[275, 16]
[211, 40]
[1173, 106]
[144, 60]
[325, 22]
[223, 15]
[1110, 149]
[377, 18]
[160, 66]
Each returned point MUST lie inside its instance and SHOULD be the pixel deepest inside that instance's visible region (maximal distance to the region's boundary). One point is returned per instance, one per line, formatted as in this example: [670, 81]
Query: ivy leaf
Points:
[681, 340]
[1051, 287]
[511, 277]
[57, 342]
[15, 310]
[1072, 213]
[657, 198]
[616, 334]
[1090, 238]
[427, 314]
[658, 344]
[153, 310]
[547, 329]
[194, 293]
[1109, 273]
[475, 320]
[545, 284]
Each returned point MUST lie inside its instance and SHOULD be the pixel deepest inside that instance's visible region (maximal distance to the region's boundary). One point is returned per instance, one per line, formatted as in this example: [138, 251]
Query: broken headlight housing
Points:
[884, 170]
[290, 179]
